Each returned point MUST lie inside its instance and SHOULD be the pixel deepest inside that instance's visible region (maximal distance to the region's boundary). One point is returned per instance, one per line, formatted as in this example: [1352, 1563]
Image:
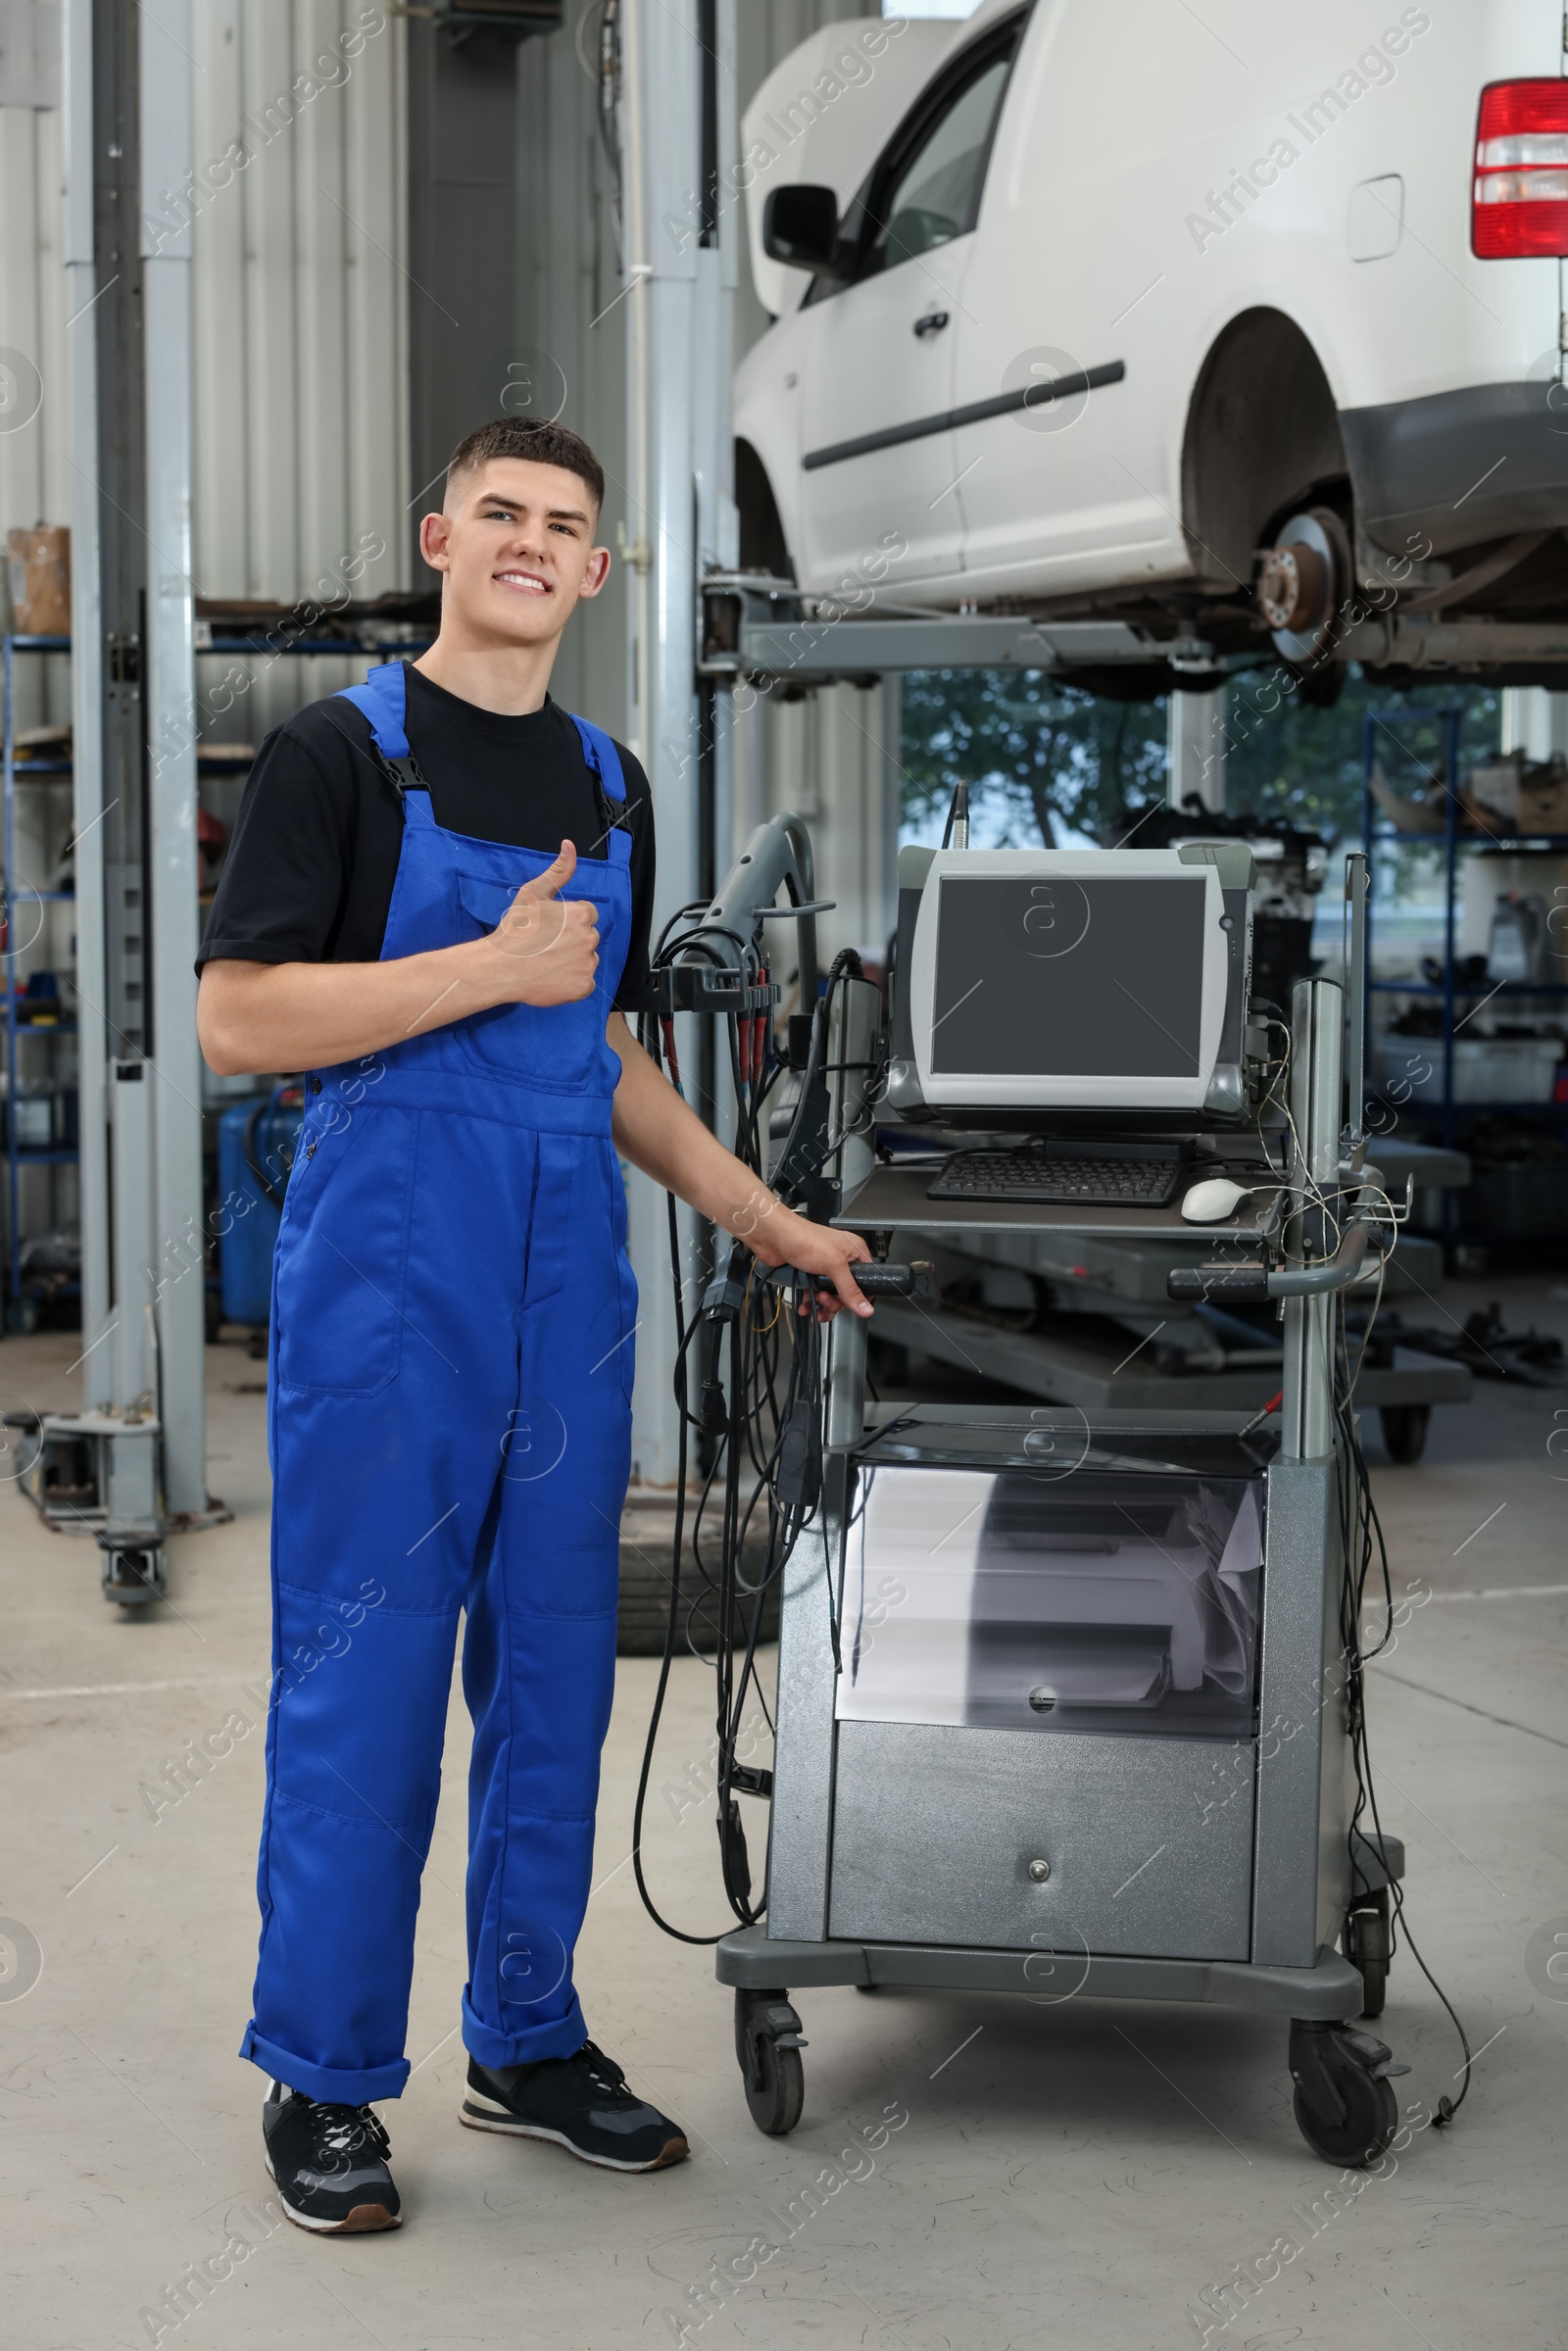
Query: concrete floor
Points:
[986, 2173]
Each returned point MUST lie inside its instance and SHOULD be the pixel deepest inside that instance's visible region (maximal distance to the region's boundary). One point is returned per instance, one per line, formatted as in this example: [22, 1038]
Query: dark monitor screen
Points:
[1066, 978]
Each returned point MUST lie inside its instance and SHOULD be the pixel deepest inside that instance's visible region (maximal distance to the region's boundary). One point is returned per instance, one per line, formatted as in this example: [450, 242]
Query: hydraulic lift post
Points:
[128, 134]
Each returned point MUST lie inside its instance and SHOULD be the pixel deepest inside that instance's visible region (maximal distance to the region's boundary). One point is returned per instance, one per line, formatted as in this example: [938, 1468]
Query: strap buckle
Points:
[614, 816]
[402, 774]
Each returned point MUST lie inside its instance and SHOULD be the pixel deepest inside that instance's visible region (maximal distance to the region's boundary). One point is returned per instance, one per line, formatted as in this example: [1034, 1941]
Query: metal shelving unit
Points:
[217, 641]
[1459, 999]
[24, 1036]
[19, 1032]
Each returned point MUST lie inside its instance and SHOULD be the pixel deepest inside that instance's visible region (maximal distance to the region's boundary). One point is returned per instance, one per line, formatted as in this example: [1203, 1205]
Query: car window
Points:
[934, 194]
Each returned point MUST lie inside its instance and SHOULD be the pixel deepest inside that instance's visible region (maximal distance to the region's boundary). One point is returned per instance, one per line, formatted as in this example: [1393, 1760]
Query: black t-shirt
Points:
[309, 874]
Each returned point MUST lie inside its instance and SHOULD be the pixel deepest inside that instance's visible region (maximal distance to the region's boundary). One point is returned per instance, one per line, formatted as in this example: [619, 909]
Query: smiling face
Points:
[516, 543]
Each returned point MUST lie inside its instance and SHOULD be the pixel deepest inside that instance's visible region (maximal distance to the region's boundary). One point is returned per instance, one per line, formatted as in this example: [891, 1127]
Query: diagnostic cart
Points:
[1070, 1700]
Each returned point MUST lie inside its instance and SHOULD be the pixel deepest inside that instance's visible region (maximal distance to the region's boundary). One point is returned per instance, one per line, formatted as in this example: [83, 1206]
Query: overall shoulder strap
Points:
[383, 698]
[601, 756]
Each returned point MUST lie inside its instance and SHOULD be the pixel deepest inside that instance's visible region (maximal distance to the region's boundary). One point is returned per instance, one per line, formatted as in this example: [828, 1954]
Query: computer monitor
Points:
[1075, 980]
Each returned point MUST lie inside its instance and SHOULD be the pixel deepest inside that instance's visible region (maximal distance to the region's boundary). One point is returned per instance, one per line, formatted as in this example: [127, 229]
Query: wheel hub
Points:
[1303, 582]
[1295, 588]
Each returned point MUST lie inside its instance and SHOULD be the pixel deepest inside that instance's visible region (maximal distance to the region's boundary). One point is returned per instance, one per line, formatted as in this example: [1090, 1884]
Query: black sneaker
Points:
[329, 2163]
[582, 2103]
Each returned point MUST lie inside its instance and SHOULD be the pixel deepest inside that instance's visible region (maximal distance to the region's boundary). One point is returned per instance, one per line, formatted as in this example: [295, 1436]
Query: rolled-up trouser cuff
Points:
[563, 2036]
[335, 2085]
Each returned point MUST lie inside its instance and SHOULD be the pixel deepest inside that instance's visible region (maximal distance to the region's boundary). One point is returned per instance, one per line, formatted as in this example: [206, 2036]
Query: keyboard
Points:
[1123, 1176]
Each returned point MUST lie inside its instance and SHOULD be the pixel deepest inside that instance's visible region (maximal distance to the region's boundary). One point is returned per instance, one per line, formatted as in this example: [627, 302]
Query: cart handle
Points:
[1287, 1281]
[917, 1280]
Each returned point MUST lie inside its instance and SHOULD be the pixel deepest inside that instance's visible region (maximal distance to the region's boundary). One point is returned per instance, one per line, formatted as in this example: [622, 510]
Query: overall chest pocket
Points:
[552, 1046]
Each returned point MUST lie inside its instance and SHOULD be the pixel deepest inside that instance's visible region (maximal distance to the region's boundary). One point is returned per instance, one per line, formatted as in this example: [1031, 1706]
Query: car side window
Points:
[936, 193]
[932, 194]
[924, 188]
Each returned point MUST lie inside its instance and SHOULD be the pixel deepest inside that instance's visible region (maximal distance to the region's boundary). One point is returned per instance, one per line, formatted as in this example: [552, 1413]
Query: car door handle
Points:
[932, 323]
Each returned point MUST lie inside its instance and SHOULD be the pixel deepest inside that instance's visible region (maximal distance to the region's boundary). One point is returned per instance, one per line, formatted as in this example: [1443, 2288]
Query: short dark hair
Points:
[541, 444]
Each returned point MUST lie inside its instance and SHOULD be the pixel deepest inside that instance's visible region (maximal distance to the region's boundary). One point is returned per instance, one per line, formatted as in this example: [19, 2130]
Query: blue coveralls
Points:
[450, 1426]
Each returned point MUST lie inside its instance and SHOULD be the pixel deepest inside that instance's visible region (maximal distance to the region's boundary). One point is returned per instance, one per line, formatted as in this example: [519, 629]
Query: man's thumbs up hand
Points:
[554, 877]
[550, 945]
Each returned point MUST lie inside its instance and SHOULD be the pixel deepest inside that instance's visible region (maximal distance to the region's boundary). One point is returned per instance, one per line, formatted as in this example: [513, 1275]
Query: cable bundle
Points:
[1362, 1536]
[759, 1373]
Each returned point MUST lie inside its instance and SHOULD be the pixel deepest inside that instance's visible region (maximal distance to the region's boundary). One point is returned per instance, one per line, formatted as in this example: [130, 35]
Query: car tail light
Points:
[1520, 199]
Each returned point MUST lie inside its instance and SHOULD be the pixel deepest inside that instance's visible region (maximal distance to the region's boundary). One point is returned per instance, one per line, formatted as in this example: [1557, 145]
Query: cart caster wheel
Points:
[1404, 1430]
[777, 2100]
[768, 2045]
[1367, 1947]
[1345, 2108]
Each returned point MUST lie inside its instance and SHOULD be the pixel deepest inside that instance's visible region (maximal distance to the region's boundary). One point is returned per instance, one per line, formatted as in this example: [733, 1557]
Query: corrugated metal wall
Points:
[301, 315]
[465, 163]
[300, 294]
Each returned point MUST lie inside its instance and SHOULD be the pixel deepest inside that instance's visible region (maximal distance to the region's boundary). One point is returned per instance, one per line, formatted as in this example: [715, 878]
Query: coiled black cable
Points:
[774, 1377]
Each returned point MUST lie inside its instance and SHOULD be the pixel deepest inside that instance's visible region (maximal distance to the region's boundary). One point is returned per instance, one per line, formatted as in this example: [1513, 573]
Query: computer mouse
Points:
[1212, 1201]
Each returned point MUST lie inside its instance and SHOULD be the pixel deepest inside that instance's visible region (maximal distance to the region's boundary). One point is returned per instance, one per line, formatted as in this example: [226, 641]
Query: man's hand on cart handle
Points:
[779, 1237]
[915, 1281]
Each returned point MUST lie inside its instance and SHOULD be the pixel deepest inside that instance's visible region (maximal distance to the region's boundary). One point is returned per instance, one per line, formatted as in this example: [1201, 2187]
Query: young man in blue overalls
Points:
[453, 1325]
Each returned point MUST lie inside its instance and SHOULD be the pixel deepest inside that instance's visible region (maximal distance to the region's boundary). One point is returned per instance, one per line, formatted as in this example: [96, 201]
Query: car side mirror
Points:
[801, 228]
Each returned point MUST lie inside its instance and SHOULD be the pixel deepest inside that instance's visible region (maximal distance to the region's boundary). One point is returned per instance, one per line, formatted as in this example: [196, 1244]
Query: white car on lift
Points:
[1239, 320]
